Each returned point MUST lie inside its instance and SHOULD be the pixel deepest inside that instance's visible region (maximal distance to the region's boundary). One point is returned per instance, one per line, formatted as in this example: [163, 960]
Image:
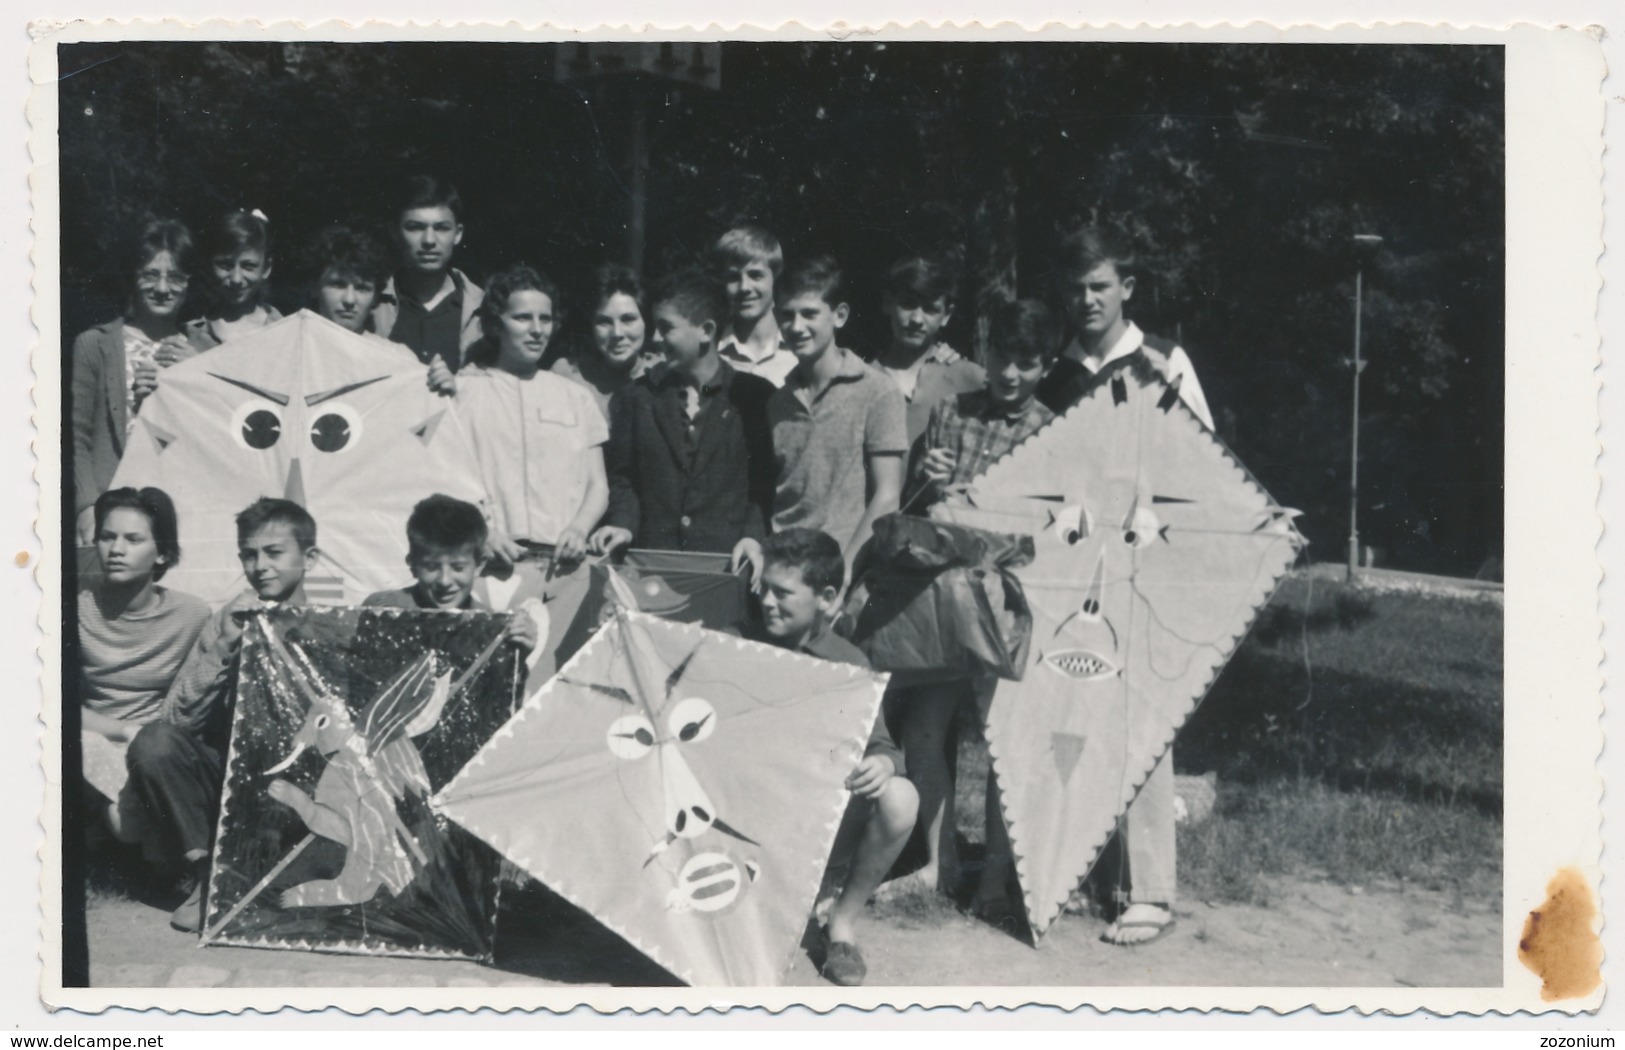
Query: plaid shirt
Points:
[978, 433]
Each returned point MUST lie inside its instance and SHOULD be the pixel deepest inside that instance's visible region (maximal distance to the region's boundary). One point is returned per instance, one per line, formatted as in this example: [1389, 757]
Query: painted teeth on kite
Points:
[1081, 664]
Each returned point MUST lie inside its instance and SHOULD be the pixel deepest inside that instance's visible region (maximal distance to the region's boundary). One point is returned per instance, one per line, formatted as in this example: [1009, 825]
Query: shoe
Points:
[843, 964]
[188, 918]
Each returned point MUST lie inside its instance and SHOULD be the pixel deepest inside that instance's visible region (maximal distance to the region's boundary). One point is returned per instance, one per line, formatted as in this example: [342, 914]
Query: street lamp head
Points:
[1367, 241]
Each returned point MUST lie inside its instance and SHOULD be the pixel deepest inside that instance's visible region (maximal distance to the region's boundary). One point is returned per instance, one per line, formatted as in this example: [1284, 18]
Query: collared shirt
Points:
[821, 442]
[431, 332]
[697, 403]
[534, 439]
[773, 365]
[1075, 374]
[979, 433]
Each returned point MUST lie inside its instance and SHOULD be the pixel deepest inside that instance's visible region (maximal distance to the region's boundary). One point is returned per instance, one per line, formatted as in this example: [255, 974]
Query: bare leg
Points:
[926, 721]
[884, 835]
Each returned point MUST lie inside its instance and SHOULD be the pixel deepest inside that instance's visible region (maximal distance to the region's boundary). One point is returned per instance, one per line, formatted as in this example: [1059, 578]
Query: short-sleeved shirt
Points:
[127, 663]
[821, 441]
[532, 437]
[432, 332]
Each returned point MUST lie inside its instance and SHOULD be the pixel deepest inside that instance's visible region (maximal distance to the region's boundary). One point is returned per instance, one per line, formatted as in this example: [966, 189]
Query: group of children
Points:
[720, 413]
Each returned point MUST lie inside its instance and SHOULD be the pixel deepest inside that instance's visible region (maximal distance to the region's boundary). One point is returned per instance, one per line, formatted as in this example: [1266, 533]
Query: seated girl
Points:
[134, 634]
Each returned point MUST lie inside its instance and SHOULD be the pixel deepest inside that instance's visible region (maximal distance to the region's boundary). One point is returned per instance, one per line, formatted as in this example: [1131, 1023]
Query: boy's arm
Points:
[885, 471]
[204, 680]
[885, 444]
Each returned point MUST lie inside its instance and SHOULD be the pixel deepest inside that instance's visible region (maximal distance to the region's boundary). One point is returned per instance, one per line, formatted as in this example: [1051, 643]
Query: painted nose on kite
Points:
[689, 812]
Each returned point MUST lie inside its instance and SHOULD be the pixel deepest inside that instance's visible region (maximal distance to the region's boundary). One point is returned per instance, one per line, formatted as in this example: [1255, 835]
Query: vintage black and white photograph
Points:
[766, 512]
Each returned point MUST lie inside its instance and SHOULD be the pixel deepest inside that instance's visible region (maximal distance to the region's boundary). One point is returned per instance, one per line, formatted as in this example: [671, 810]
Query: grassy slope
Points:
[1355, 735]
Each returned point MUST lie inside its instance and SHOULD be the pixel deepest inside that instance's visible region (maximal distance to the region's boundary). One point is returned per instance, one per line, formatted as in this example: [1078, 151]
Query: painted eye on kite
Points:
[1141, 526]
[336, 427]
[322, 722]
[1074, 524]
[692, 719]
[257, 425]
[630, 737]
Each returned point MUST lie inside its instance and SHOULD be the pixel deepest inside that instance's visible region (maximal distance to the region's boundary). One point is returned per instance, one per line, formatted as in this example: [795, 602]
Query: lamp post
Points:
[1364, 243]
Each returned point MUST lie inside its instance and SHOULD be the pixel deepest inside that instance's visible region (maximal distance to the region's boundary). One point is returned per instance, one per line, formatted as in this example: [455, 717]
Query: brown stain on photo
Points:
[1558, 943]
[21, 559]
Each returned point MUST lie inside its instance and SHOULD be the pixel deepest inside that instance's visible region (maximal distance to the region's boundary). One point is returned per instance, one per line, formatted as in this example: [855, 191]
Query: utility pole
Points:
[627, 79]
[1363, 243]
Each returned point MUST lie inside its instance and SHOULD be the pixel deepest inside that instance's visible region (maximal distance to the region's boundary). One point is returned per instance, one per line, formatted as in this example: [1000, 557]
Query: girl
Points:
[115, 365]
[238, 251]
[618, 355]
[134, 635]
[539, 438]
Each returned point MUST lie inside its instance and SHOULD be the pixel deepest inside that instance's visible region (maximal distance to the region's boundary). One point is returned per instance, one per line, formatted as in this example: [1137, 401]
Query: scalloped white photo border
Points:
[1553, 788]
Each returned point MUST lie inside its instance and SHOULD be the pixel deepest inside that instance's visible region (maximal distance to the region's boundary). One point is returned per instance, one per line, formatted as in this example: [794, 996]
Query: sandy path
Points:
[1312, 934]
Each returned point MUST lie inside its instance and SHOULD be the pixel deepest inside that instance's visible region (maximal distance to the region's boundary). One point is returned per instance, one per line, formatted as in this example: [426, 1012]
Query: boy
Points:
[964, 437]
[1096, 281]
[748, 260]
[919, 303]
[802, 577]
[690, 453]
[839, 435]
[429, 305]
[176, 764]
[445, 541]
[1096, 274]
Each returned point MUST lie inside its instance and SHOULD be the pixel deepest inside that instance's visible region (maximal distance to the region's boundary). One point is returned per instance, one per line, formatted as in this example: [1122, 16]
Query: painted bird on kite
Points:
[371, 765]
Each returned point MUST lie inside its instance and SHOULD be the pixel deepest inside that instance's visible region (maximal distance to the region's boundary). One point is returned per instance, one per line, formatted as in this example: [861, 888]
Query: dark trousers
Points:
[174, 791]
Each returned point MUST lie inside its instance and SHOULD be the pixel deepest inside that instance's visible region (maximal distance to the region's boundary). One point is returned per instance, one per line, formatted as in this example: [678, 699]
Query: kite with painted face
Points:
[307, 411]
[682, 786]
[1154, 551]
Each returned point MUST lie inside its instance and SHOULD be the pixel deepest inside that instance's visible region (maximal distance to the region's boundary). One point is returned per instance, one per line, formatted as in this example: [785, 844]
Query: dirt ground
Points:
[1313, 933]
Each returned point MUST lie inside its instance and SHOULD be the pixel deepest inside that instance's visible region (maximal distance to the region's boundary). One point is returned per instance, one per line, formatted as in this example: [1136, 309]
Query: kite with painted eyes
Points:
[681, 785]
[1154, 549]
[307, 411]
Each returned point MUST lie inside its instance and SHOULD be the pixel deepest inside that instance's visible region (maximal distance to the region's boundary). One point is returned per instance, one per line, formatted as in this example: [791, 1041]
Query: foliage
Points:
[1242, 170]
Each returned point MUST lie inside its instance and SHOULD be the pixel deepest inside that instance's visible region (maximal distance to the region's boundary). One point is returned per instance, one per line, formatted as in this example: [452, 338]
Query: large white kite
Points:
[1154, 551]
[303, 409]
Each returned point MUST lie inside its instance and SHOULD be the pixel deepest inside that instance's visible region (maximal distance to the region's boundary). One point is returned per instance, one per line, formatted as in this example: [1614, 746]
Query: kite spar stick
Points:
[299, 847]
[247, 898]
